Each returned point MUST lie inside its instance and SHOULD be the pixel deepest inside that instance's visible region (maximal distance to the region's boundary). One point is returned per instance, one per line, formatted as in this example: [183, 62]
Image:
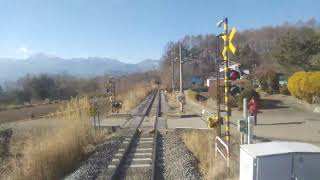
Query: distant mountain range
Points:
[12, 69]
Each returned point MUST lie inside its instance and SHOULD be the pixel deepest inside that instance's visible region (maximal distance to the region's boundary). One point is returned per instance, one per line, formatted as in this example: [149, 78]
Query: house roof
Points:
[231, 65]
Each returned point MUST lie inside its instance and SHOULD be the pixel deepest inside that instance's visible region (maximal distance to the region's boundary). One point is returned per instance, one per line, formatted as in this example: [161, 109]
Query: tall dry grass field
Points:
[134, 96]
[201, 144]
[50, 153]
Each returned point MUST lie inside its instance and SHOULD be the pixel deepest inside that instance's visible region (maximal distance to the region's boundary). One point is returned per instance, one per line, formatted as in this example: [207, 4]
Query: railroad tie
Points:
[138, 165]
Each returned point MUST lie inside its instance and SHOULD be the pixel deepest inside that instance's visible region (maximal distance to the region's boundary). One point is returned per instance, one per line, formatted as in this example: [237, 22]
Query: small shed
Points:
[279, 161]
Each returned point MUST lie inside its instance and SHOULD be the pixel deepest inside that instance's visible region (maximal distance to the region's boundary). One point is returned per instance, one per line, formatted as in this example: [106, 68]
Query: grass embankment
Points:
[50, 153]
[201, 144]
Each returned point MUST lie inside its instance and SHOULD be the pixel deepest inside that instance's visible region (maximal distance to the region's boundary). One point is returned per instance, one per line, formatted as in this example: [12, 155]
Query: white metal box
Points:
[279, 161]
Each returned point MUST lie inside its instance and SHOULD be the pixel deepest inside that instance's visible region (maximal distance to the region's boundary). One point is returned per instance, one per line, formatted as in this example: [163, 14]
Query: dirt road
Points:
[282, 118]
[285, 119]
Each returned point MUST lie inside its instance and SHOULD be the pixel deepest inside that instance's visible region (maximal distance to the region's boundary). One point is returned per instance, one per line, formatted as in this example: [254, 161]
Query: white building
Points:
[232, 65]
[279, 161]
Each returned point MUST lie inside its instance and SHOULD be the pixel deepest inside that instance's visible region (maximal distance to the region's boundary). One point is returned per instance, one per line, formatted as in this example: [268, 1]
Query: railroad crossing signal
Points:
[231, 47]
[228, 46]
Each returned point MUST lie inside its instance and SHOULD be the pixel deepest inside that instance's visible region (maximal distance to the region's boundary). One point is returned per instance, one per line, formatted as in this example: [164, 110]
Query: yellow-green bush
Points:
[305, 85]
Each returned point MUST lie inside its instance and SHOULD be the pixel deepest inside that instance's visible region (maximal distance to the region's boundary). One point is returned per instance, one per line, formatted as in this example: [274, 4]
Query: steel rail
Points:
[154, 155]
[116, 173]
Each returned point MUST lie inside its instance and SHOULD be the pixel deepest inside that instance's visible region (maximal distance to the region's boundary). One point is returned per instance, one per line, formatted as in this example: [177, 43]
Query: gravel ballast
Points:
[179, 162]
[98, 161]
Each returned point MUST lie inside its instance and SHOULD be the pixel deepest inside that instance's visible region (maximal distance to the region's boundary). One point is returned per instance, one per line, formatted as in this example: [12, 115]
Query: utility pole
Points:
[112, 86]
[181, 80]
[172, 81]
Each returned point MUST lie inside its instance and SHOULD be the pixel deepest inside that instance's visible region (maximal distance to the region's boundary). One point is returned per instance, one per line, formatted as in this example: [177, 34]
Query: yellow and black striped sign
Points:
[229, 38]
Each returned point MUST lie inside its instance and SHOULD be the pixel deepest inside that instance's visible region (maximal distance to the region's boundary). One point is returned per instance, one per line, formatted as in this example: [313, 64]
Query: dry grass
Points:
[201, 144]
[132, 98]
[173, 102]
[50, 153]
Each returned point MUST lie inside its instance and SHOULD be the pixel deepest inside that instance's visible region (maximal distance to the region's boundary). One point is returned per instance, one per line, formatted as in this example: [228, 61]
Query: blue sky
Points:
[129, 30]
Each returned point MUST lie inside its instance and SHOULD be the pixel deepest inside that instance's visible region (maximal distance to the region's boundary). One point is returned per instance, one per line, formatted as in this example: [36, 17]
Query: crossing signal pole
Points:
[227, 46]
[226, 80]
[172, 75]
[181, 80]
[217, 64]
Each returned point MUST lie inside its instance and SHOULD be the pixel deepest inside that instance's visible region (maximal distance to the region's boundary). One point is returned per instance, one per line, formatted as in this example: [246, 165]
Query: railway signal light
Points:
[235, 90]
[234, 75]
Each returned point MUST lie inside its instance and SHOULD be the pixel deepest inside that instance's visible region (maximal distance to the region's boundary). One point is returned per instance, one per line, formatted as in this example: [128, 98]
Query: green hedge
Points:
[248, 93]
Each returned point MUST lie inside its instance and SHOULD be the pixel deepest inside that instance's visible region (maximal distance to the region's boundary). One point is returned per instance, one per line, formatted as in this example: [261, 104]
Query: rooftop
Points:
[272, 148]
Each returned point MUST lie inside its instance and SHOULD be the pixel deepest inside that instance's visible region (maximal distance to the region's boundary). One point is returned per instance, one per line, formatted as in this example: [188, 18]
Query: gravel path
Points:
[97, 161]
[179, 162]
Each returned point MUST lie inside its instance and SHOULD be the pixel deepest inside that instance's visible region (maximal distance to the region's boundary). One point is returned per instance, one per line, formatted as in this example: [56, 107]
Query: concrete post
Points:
[172, 80]
[245, 108]
[250, 128]
[244, 137]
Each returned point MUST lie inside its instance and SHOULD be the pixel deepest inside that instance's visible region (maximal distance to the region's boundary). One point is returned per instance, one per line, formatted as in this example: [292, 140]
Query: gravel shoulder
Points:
[179, 161]
[98, 161]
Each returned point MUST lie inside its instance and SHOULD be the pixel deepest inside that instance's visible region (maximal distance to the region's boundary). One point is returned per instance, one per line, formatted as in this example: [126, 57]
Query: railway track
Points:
[138, 156]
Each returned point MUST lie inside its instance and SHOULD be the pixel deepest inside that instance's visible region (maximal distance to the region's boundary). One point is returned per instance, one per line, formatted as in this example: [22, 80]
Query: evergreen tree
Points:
[298, 50]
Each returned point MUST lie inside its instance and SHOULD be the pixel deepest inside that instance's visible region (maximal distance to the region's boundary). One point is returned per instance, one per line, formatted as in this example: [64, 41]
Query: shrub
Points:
[243, 83]
[273, 83]
[263, 84]
[304, 85]
[268, 78]
[233, 101]
[284, 90]
[248, 93]
[193, 94]
[201, 89]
